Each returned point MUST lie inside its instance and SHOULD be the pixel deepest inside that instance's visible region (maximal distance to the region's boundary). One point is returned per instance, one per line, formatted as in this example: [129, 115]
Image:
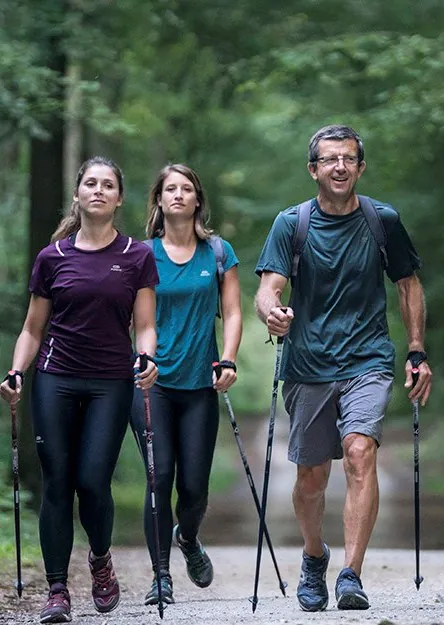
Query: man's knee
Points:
[312, 481]
[359, 455]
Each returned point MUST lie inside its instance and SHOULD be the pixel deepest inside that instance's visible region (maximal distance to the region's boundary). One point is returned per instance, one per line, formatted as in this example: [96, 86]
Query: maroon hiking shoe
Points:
[105, 587]
[58, 606]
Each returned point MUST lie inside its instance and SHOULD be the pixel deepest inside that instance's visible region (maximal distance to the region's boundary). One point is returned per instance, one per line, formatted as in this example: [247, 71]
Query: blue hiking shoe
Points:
[349, 592]
[199, 567]
[166, 585]
[312, 590]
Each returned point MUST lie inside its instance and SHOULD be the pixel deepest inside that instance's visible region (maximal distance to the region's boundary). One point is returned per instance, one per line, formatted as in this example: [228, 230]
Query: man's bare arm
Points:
[413, 313]
[269, 306]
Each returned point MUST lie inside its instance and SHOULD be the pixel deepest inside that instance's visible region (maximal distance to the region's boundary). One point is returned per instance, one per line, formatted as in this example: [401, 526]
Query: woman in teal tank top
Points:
[184, 402]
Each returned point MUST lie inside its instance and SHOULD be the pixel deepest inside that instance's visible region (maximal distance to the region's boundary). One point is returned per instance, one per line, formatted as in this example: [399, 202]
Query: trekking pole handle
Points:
[143, 361]
[12, 380]
[217, 369]
[415, 376]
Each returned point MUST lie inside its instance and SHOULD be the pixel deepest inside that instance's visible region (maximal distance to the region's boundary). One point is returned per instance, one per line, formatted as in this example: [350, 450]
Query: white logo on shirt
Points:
[116, 268]
[204, 273]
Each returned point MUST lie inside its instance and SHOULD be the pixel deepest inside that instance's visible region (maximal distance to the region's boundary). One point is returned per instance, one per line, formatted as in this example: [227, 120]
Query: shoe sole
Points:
[167, 600]
[313, 609]
[352, 601]
[59, 618]
[199, 584]
[107, 609]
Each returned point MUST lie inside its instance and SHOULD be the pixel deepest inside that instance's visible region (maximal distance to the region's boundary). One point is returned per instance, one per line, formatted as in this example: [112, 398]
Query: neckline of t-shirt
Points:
[173, 261]
[351, 215]
[100, 249]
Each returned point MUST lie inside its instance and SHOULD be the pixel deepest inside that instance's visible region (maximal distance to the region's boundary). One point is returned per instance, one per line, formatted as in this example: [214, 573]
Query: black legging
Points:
[79, 426]
[185, 425]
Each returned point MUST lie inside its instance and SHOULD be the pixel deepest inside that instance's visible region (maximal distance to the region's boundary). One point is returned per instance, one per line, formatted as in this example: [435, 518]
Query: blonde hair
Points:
[155, 226]
[71, 222]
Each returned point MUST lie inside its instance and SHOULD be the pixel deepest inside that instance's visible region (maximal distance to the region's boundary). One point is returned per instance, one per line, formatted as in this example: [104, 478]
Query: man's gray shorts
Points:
[321, 415]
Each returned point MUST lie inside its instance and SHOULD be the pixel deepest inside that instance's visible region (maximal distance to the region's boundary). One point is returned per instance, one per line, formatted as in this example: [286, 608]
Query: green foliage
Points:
[235, 90]
[28, 520]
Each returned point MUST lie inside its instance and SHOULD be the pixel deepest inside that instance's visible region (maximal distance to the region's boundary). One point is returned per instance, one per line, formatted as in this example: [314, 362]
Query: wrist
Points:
[416, 346]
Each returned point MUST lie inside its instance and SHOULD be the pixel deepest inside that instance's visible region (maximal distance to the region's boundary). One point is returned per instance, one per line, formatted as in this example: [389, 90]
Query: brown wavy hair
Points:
[155, 226]
[70, 223]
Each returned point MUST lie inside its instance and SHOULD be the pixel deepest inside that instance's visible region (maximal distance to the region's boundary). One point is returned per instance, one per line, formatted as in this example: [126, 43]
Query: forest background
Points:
[235, 90]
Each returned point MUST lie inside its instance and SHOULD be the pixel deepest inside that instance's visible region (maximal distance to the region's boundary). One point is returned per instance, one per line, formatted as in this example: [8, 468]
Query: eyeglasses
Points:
[332, 161]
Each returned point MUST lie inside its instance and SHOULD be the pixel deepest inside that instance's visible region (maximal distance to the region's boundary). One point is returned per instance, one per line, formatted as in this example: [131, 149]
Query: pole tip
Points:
[418, 581]
[254, 602]
[19, 588]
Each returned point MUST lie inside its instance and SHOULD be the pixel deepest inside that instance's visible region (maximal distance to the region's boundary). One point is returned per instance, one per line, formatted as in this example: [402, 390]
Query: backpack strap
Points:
[220, 254]
[218, 248]
[300, 234]
[150, 243]
[375, 225]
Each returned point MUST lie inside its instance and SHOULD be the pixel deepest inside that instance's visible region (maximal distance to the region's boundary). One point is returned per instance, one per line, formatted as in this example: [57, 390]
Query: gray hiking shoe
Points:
[199, 567]
[166, 585]
[349, 592]
[312, 590]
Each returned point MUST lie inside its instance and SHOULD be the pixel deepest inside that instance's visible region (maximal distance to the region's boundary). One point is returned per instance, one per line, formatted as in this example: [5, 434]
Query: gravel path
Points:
[388, 578]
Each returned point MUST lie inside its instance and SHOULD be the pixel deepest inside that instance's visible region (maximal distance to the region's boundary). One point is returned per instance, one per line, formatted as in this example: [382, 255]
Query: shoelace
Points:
[196, 557]
[165, 584]
[351, 577]
[312, 577]
[102, 577]
[58, 598]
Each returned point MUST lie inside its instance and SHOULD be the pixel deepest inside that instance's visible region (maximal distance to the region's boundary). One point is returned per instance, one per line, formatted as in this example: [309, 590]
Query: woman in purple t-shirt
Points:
[86, 286]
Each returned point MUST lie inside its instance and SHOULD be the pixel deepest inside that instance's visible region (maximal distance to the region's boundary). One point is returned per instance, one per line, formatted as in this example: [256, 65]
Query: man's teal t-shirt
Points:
[186, 307]
[340, 328]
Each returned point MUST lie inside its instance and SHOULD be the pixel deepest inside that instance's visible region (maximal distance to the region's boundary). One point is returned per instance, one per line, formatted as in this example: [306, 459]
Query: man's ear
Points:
[362, 167]
[313, 170]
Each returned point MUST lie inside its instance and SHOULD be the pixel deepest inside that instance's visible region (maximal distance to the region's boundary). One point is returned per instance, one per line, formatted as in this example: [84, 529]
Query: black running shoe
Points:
[199, 567]
[166, 584]
[349, 592]
[312, 590]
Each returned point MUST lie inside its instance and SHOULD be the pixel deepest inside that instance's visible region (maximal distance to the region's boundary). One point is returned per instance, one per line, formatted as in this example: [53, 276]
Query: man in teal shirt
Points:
[338, 360]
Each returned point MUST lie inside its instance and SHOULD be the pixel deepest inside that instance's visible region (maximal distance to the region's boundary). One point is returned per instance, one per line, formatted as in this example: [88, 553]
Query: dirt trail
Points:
[388, 578]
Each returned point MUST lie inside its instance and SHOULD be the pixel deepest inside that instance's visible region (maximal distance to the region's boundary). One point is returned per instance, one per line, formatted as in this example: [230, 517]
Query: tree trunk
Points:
[46, 204]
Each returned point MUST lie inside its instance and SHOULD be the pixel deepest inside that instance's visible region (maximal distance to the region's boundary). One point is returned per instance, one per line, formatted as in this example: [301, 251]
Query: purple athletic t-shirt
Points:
[92, 294]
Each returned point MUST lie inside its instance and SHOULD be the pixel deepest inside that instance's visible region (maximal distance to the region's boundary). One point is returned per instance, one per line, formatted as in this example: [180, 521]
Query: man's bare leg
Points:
[362, 498]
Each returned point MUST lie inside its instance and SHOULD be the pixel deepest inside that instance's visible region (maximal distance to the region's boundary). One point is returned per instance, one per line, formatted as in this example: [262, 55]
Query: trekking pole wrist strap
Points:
[228, 364]
[416, 358]
[15, 372]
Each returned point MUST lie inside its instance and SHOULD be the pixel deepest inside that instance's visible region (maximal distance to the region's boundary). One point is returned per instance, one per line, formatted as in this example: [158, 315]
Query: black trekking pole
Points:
[263, 508]
[418, 578]
[143, 363]
[16, 481]
[218, 369]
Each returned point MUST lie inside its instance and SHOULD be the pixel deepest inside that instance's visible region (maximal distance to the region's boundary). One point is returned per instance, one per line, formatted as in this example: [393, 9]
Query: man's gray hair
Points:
[334, 132]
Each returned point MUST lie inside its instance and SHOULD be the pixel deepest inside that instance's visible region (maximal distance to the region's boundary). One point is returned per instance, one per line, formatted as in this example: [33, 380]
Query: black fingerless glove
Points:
[228, 364]
[20, 374]
[416, 358]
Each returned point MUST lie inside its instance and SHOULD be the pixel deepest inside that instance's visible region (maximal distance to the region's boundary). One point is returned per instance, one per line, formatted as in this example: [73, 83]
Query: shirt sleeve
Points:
[230, 258]
[403, 259]
[40, 281]
[148, 276]
[277, 253]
